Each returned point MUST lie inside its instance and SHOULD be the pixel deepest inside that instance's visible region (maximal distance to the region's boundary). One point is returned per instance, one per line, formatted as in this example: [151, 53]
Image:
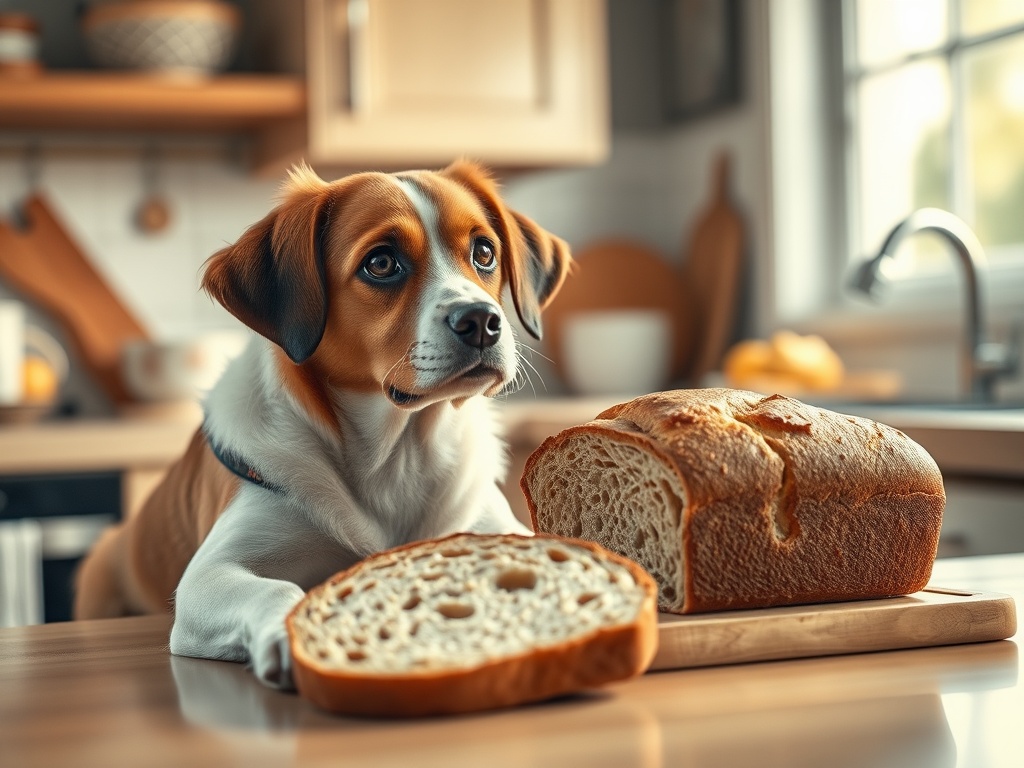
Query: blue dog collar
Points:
[239, 466]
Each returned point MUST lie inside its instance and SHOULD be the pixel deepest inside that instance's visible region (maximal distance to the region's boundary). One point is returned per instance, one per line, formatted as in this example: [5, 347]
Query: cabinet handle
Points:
[358, 83]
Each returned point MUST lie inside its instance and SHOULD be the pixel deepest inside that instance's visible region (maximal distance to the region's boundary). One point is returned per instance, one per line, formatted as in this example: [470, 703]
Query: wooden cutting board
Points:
[934, 616]
[45, 265]
[712, 271]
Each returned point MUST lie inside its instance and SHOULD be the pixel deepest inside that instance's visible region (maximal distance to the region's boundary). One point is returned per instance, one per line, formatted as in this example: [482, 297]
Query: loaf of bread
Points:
[472, 622]
[735, 500]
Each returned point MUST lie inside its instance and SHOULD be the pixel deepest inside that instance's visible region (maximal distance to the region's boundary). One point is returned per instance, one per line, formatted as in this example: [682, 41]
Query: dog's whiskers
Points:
[527, 348]
[528, 378]
[520, 378]
[522, 374]
[534, 369]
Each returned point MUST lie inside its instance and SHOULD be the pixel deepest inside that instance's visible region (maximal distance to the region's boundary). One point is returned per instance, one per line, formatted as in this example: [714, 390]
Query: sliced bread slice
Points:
[472, 622]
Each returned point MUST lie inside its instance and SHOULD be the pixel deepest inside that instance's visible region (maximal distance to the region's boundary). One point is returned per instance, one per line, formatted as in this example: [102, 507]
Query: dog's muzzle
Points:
[476, 325]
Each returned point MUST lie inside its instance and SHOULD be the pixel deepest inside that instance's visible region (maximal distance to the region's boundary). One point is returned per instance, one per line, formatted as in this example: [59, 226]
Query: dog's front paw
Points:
[271, 657]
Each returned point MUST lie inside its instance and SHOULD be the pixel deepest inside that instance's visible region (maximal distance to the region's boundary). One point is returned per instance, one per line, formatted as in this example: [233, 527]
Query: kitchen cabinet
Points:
[67, 512]
[982, 516]
[391, 83]
[368, 83]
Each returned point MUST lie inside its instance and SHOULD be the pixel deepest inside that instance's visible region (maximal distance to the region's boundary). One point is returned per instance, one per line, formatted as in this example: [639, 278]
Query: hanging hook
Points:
[32, 164]
[153, 214]
[150, 167]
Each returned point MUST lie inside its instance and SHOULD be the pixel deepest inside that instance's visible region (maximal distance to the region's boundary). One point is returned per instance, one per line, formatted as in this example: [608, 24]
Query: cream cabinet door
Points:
[507, 82]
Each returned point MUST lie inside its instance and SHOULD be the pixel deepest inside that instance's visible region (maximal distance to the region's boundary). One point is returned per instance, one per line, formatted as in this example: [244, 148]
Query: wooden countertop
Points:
[155, 441]
[986, 443]
[108, 693]
[94, 445]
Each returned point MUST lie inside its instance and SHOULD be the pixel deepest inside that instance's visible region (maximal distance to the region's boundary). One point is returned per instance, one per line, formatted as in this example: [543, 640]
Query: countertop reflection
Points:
[109, 693]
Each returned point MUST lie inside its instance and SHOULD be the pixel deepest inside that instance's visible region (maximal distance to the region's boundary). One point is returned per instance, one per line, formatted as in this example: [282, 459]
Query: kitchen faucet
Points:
[982, 362]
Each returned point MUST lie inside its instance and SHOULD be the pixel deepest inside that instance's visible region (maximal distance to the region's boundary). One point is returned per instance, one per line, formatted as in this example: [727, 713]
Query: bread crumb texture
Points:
[613, 490]
[461, 603]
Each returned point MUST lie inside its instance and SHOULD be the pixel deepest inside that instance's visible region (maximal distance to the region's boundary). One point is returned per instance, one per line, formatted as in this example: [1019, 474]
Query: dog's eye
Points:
[483, 254]
[382, 264]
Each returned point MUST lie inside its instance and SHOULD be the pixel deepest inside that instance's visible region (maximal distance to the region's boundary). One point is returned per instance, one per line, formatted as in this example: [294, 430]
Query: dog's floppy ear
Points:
[539, 265]
[273, 278]
[535, 262]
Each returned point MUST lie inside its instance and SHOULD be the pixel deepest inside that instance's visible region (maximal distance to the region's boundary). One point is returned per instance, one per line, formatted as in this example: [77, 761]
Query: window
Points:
[934, 100]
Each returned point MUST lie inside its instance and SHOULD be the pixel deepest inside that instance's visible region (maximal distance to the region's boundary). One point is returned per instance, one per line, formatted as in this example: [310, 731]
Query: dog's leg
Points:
[232, 601]
[106, 586]
[98, 583]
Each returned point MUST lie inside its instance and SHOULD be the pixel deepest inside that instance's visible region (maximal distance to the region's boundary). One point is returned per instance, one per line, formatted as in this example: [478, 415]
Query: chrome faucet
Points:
[982, 362]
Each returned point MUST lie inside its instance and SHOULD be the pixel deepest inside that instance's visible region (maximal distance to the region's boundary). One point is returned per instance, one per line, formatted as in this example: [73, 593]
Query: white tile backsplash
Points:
[157, 276]
[625, 197]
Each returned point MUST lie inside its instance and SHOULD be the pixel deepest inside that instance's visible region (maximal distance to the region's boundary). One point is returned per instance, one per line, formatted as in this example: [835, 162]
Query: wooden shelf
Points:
[104, 101]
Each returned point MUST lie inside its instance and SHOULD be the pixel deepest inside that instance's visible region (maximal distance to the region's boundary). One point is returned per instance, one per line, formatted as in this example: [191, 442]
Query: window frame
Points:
[809, 292]
[952, 53]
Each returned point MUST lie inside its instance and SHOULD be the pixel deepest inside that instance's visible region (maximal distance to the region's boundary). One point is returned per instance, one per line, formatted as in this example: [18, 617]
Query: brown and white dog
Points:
[356, 420]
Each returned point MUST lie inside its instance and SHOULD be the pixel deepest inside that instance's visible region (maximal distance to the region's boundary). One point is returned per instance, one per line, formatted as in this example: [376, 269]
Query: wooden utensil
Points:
[712, 270]
[619, 274]
[934, 616]
[47, 267]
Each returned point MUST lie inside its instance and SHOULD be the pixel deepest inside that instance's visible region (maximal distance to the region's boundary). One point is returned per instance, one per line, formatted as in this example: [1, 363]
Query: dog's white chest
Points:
[425, 473]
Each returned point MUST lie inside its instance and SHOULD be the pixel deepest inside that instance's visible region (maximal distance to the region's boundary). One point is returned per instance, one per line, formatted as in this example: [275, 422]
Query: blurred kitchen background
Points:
[721, 168]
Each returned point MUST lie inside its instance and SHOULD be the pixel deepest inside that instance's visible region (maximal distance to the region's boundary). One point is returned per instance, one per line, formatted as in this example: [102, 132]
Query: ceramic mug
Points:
[165, 371]
[617, 352]
[12, 351]
[19, 338]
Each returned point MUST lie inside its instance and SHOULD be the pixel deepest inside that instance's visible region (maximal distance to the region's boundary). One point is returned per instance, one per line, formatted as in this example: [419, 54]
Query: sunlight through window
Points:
[935, 94]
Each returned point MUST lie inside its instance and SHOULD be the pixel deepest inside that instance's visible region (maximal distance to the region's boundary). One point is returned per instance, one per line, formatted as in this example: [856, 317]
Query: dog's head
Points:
[391, 283]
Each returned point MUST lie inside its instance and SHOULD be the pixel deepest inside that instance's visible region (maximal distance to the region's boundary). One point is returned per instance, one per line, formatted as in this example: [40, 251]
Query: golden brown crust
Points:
[610, 654]
[786, 503]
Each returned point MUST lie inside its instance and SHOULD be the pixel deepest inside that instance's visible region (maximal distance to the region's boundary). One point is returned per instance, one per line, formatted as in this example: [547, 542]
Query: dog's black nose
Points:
[477, 325]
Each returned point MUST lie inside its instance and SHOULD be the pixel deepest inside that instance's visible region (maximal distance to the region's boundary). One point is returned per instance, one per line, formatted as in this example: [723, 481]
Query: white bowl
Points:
[617, 352]
[183, 370]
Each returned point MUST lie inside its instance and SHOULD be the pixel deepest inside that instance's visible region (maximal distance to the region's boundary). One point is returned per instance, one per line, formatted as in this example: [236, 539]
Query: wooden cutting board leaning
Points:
[712, 272]
[934, 616]
[700, 299]
[45, 265]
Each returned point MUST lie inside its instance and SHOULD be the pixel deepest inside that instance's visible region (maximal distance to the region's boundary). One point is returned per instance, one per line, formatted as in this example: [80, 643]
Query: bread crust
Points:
[607, 655]
[858, 504]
